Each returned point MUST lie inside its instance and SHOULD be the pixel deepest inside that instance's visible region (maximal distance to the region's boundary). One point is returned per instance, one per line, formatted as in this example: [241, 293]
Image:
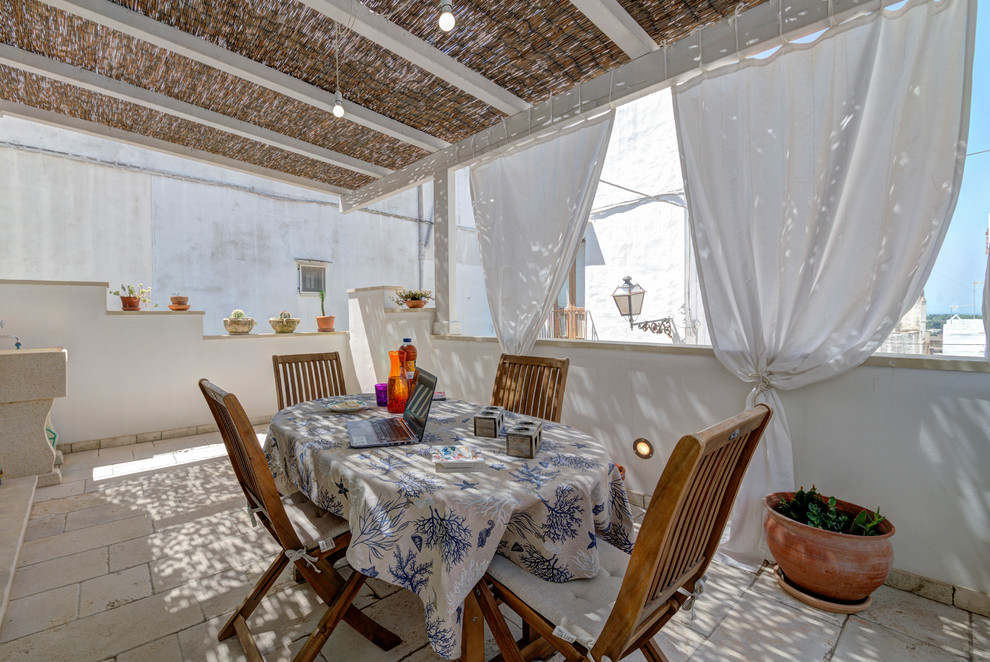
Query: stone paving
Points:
[144, 551]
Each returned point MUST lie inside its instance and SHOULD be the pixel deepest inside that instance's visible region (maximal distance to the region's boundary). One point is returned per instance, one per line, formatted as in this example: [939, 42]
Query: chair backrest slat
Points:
[302, 377]
[681, 528]
[531, 386]
[249, 463]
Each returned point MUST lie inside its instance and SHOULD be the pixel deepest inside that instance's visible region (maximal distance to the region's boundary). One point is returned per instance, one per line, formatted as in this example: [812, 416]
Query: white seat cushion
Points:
[312, 524]
[580, 606]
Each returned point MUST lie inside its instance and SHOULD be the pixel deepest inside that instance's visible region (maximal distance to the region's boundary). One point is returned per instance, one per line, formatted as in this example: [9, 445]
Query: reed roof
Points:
[533, 50]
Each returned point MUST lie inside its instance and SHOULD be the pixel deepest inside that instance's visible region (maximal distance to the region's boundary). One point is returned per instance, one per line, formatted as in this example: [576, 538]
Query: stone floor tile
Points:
[766, 586]
[107, 512]
[180, 443]
[678, 642]
[114, 454]
[83, 459]
[76, 473]
[81, 540]
[381, 588]
[72, 569]
[114, 590]
[59, 491]
[215, 557]
[765, 630]
[725, 586]
[42, 527]
[200, 643]
[39, 612]
[66, 504]
[165, 649]
[180, 538]
[932, 622]
[863, 641]
[981, 638]
[107, 633]
[224, 591]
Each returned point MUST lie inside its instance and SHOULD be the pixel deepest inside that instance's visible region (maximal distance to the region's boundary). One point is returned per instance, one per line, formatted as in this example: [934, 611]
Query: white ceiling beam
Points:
[354, 15]
[753, 31]
[139, 26]
[66, 73]
[50, 118]
[621, 28]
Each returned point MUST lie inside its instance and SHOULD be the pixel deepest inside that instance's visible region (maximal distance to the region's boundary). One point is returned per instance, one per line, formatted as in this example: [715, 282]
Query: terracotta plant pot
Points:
[173, 306]
[180, 301]
[324, 323]
[284, 325]
[238, 326]
[415, 303]
[130, 303]
[836, 566]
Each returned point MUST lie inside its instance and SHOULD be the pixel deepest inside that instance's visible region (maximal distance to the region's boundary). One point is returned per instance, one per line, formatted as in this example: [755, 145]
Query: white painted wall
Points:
[76, 207]
[129, 373]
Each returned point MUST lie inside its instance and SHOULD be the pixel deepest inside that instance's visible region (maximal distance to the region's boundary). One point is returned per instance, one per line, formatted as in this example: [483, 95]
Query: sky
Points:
[963, 259]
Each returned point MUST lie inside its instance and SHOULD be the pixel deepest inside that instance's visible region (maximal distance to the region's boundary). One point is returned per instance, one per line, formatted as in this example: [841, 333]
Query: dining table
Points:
[435, 532]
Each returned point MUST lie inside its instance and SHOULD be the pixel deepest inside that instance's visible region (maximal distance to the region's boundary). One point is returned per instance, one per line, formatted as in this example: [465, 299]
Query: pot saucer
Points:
[173, 306]
[818, 601]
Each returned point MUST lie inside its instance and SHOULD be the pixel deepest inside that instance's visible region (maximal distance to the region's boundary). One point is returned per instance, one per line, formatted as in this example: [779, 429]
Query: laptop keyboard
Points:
[390, 429]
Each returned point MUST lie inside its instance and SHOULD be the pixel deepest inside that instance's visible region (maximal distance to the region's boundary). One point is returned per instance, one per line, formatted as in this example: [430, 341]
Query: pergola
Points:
[251, 85]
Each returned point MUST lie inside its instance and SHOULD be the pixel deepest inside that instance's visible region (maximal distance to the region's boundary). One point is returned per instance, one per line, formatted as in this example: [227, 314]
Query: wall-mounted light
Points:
[446, 16]
[643, 448]
[629, 300]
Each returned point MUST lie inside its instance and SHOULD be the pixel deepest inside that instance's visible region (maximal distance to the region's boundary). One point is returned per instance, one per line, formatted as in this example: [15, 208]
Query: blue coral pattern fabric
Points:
[435, 533]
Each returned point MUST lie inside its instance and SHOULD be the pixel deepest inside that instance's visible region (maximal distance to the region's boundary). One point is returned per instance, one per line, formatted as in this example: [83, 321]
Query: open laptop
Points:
[396, 431]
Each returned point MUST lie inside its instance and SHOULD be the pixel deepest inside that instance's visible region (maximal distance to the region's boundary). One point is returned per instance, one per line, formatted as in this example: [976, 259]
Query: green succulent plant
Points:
[819, 511]
[285, 315]
[238, 314]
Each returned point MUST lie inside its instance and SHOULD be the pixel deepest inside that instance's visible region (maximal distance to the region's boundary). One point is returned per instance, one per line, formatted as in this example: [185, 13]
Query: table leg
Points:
[472, 631]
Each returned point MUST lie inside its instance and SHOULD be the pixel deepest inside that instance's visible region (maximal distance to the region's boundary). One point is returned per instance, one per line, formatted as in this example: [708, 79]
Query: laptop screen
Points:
[418, 406]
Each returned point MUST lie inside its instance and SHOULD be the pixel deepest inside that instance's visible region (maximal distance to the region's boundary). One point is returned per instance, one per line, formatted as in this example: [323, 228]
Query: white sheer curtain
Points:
[820, 184]
[531, 206]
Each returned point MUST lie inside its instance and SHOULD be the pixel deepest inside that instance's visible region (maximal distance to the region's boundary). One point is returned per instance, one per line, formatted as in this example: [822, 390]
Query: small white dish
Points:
[346, 406]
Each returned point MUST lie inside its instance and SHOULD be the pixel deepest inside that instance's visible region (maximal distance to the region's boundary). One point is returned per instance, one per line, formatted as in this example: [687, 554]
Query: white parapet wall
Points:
[136, 373]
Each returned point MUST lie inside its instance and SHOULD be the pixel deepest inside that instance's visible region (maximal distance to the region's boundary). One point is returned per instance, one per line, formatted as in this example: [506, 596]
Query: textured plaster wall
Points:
[75, 207]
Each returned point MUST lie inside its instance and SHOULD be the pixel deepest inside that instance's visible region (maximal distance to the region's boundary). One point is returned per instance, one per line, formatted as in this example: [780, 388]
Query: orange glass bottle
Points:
[410, 361]
[398, 384]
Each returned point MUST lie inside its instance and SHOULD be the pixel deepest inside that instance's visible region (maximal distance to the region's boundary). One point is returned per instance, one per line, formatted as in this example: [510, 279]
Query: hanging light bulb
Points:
[338, 100]
[446, 16]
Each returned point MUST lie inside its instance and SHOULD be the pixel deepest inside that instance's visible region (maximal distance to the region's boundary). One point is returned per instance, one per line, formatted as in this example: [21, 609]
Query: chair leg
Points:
[496, 623]
[254, 598]
[328, 583]
[652, 652]
[330, 620]
[472, 631]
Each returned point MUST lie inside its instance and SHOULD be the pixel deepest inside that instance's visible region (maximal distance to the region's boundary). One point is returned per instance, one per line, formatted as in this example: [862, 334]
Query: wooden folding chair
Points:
[617, 612]
[302, 377]
[531, 385]
[310, 538]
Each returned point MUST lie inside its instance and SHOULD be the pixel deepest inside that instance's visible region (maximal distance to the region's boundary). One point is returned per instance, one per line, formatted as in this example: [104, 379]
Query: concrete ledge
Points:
[902, 361]
[16, 496]
[135, 313]
[241, 336]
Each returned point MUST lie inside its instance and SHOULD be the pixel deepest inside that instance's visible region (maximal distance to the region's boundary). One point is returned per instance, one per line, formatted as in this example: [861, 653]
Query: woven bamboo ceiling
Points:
[252, 81]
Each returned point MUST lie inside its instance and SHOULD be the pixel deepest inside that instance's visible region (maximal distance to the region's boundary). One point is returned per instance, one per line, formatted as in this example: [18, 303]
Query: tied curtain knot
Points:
[763, 381]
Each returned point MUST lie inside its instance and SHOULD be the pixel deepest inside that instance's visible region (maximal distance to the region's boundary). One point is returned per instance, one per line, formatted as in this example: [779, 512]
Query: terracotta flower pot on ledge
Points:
[130, 303]
[179, 303]
[324, 323]
[841, 568]
[415, 303]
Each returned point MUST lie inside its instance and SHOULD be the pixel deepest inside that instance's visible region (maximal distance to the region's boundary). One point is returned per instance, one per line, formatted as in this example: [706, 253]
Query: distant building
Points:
[910, 336]
[964, 337]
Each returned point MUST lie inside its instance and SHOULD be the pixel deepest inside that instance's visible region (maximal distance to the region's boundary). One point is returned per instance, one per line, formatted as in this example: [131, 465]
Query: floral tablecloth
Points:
[435, 533]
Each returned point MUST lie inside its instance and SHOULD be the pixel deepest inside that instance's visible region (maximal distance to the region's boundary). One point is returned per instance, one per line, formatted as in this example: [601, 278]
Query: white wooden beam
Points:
[748, 33]
[618, 26]
[66, 73]
[50, 118]
[355, 16]
[139, 26]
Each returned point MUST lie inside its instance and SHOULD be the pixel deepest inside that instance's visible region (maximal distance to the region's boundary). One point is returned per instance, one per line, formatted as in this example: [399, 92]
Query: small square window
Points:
[312, 277]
